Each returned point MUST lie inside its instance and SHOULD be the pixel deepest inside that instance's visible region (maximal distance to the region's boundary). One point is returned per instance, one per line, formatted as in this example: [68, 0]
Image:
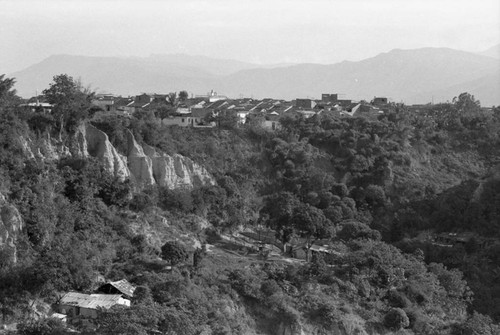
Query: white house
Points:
[84, 307]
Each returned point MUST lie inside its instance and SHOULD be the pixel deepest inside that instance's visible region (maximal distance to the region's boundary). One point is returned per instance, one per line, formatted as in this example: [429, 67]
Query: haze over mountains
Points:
[413, 76]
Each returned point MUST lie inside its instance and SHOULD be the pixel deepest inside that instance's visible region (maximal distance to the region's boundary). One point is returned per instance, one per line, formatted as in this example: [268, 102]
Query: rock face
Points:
[149, 167]
[93, 142]
[177, 171]
[141, 163]
[10, 226]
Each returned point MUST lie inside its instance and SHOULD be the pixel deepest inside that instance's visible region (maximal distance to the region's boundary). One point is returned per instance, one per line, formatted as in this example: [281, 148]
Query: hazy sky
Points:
[261, 31]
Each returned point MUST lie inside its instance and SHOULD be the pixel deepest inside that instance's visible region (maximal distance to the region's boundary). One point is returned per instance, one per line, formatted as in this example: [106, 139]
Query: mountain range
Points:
[413, 76]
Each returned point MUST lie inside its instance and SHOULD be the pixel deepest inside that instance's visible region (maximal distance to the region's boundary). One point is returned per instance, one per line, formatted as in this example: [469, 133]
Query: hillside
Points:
[410, 75]
[488, 86]
[494, 52]
[351, 225]
[399, 74]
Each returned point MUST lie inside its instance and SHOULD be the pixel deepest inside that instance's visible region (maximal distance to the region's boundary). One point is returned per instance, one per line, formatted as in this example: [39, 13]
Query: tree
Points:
[224, 119]
[396, 319]
[172, 99]
[279, 209]
[139, 319]
[174, 252]
[71, 101]
[466, 103]
[7, 91]
[310, 222]
[183, 96]
[353, 229]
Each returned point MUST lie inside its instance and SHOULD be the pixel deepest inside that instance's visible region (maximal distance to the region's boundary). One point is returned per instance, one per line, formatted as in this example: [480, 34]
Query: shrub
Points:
[396, 319]
[270, 287]
[355, 230]
[174, 252]
[398, 299]
[45, 326]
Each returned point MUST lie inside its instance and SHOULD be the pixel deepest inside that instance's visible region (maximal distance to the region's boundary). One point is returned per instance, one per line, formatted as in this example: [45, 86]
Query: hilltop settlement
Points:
[204, 215]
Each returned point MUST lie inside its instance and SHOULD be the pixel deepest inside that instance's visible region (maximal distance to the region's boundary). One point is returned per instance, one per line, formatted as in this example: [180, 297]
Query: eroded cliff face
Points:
[177, 171]
[141, 163]
[11, 224]
[90, 141]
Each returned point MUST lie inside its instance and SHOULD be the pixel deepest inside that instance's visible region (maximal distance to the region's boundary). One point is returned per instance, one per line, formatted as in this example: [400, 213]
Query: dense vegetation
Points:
[372, 187]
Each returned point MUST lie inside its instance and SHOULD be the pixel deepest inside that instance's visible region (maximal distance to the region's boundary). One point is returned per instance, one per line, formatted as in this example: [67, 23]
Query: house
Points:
[344, 102]
[305, 103]
[379, 101]
[271, 121]
[83, 308]
[41, 106]
[140, 103]
[197, 118]
[177, 120]
[122, 287]
[120, 104]
[361, 109]
[333, 98]
[212, 96]
[105, 101]
[447, 239]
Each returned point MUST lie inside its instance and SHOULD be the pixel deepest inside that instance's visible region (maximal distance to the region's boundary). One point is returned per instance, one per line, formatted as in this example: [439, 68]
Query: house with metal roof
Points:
[83, 307]
[122, 287]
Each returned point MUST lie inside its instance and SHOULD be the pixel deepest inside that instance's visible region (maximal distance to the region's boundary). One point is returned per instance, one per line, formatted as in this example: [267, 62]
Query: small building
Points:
[271, 121]
[104, 101]
[177, 120]
[82, 308]
[325, 97]
[140, 103]
[38, 106]
[344, 102]
[122, 287]
[379, 101]
[305, 103]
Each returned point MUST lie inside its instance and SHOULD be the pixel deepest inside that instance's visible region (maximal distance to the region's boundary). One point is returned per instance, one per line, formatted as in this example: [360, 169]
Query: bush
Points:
[270, 287]
[174, 252]
[396, 319]
[45, 326]
[355, 230]
[398, 299]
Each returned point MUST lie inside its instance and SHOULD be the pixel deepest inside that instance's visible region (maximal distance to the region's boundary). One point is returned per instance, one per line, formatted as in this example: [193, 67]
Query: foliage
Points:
[174, 252]
[71, 101]
[351, 182]
[396, 319]
[43, 326]
[353, 230]
[8, 96]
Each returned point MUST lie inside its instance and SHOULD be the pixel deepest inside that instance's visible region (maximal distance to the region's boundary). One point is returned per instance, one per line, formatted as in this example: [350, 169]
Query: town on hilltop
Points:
[204, 111]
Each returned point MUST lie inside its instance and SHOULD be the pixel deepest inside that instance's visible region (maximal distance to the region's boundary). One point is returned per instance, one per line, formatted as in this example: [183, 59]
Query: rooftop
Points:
[91, 301]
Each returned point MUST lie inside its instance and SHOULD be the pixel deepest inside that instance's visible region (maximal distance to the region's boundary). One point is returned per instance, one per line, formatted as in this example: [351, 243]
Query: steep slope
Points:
[11, 225]
[142, 164]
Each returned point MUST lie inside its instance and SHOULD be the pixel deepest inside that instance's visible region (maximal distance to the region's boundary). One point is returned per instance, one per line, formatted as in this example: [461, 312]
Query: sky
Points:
[257, 31]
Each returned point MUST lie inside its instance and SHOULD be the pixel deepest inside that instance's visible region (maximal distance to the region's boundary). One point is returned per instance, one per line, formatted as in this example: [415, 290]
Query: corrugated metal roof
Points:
[124, 287]
[91, 301]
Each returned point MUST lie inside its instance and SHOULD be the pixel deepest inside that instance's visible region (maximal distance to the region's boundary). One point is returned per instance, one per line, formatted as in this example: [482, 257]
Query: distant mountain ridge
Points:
[494, 52]
[412, 76]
